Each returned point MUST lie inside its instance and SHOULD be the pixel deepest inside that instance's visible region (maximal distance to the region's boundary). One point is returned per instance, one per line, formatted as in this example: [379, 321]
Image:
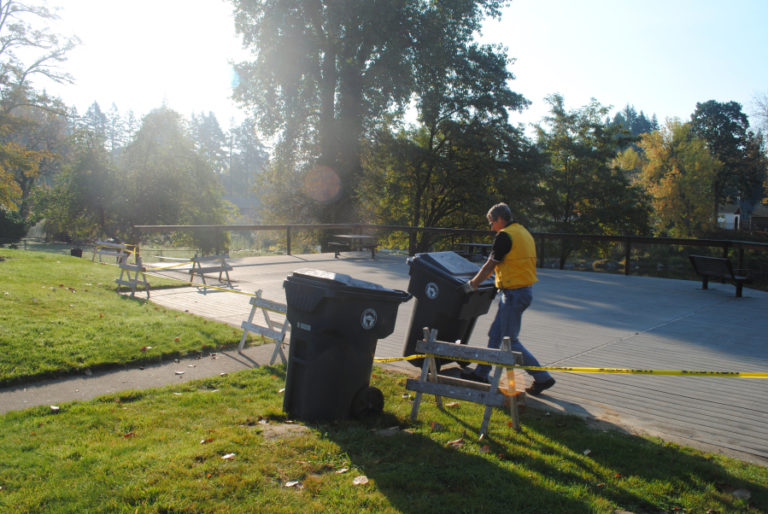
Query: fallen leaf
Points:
[437, 427]
[387, 431]
[742, 494]
[587, 451]
[452, 404]
[281, 391]
[360, 480]
[179, 372]
[341, 471]
[206, 441]
[228, 456]
[128, 435]
[456, 443]
[292, 483]
[485, 448]
[55, 408]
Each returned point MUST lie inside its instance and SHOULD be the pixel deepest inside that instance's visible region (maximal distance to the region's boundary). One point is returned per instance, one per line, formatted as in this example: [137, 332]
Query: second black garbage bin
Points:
[442, 303]
[336, 322]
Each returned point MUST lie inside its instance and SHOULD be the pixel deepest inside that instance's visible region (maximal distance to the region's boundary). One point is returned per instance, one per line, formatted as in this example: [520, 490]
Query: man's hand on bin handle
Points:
[468, 287]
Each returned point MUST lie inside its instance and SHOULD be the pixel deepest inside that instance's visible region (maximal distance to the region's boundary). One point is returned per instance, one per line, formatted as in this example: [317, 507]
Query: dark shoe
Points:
[468, 374]
[537, 387]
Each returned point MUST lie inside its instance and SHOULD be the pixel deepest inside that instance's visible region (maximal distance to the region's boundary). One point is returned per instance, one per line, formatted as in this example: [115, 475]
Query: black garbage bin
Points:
[336, 322]
[442, 302]
[76, 252]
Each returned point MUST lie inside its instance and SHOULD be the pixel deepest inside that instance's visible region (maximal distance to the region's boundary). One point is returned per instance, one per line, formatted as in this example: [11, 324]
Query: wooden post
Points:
[627, 253]
[288, 240]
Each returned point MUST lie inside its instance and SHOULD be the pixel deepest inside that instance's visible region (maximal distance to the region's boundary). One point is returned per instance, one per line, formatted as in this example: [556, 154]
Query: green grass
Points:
[61, 314]
[161, 450]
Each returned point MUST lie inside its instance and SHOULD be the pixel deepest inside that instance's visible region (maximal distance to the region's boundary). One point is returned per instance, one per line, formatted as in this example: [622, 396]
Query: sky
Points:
[660, 56]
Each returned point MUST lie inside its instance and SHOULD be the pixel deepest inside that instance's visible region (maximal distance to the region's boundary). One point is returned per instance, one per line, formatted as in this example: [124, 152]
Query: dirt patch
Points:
[282, 430]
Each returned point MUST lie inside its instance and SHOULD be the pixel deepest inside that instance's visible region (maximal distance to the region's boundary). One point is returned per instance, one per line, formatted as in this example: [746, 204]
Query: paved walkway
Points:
[577, 319]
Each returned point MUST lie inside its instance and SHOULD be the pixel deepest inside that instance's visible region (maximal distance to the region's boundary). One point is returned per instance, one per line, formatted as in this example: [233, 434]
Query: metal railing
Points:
[628, 242]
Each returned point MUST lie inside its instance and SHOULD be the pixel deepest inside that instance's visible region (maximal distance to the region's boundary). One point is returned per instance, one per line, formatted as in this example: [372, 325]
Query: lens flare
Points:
[322, 184]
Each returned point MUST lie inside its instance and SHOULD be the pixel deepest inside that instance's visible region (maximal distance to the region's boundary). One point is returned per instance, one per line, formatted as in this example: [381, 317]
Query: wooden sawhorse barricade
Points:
[274, 330]
[121, 252]
[211, 264]
[489, 395]
[133, 281]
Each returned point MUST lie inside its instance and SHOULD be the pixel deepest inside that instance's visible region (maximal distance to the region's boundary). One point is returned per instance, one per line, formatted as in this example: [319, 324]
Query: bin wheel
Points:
[368, 401]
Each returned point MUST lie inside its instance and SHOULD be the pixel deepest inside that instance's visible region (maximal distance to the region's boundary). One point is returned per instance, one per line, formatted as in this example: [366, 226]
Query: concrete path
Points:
[577, 319]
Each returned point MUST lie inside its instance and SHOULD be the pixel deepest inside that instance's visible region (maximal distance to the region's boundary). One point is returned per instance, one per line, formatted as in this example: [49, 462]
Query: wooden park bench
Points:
[352, 242]
[211, 264]
[490, 395]
[120, 252]
[719, 268]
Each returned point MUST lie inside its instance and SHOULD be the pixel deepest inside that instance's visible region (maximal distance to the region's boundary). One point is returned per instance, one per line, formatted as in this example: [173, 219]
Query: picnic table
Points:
[353, 242]
[474, 250]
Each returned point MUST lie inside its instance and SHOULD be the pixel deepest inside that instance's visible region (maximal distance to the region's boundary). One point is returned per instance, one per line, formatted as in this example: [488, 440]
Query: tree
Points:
[43, 51]
[677, 171]
[167, 181]
[247, 159]
[761, 110]
[32, 142]
[26, 51]
[210, 141]
[583, 190]
[443, 172]
[95, 121]
[81, 204]
[325, 74]
[633, 122]
[724, 127]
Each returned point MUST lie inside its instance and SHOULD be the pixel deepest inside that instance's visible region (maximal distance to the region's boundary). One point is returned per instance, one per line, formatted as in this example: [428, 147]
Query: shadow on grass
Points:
[419, 474]
[555, 464]
[621, 459]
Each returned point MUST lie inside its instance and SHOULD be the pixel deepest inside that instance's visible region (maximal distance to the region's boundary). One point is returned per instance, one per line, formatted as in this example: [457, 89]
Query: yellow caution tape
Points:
[563, 369]
[170, 266]
[615, 371]
[395, 359]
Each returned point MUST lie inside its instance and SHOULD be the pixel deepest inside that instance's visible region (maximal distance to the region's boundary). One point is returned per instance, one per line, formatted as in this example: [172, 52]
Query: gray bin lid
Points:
[451, 262]
[344, 284]
[340, 279]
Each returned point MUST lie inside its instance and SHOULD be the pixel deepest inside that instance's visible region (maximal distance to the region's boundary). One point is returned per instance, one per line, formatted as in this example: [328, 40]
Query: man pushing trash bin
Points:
[513, 258]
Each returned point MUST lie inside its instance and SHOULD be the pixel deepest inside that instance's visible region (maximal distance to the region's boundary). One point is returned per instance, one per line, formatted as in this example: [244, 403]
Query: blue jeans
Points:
[512, 303]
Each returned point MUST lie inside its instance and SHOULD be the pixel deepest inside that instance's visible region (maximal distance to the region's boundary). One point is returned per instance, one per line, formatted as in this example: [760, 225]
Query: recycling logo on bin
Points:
[368, 318]
[431, 290]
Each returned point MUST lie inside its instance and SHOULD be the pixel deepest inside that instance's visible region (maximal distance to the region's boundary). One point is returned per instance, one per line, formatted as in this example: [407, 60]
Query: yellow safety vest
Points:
[518, 268]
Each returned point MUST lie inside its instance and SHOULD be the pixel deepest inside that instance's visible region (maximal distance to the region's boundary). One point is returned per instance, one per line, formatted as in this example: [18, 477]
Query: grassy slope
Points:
[60, 314]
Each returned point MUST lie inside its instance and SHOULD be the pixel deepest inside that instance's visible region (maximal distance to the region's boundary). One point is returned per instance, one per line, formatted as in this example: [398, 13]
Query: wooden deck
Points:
[588, 319]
